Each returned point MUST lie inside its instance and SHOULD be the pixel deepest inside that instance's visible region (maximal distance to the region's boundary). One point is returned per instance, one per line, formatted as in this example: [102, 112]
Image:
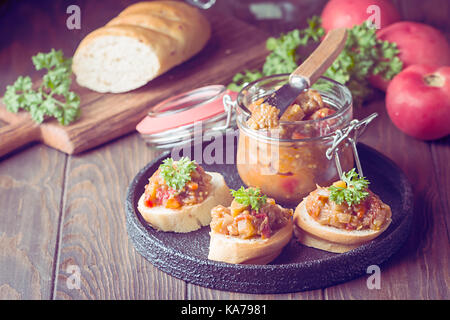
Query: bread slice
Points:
[143, 42]
[313, 234]
[187, 218]
[226, 248]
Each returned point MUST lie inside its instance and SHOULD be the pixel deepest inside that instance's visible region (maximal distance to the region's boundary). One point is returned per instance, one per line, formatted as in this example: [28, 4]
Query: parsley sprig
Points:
[364, 55]
[354, 192]
[53, 98]
[177, 173]
[249, 197]
[283, 54]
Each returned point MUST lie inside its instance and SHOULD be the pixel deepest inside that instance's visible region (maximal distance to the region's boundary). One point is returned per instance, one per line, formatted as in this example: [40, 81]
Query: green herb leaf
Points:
[249, 197]
[283, 57]
[353, 193]
[177, 173]
[52, 98]
[364, 55]
[283, 54]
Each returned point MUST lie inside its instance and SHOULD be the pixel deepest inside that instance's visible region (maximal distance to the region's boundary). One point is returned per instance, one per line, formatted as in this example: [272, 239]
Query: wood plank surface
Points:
[440, 152]
[195, 292]
[31, 187]
[93, 229]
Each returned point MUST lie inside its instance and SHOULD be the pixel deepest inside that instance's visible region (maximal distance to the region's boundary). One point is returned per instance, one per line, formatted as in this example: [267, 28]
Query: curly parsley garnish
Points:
[355, 189]
[177, 173]
[53, 98]
[364, 55]
[249, 197]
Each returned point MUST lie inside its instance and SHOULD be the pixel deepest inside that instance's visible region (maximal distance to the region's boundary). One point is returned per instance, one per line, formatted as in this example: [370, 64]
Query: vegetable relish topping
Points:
[177, 183]
[251, 215]
[307, 106]
[348, 204]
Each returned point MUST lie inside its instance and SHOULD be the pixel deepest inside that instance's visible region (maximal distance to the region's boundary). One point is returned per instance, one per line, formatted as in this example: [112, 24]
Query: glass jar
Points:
[289, 169]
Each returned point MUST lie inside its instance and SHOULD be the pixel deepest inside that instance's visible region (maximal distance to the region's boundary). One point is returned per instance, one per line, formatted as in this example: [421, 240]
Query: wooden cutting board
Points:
[233, 47]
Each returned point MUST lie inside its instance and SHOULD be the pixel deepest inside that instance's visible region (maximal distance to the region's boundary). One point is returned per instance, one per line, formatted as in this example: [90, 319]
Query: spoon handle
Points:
[322, 58]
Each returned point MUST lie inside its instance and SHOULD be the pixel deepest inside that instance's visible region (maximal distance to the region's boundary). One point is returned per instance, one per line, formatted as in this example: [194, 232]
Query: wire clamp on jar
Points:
[228, 106]
[350, 133]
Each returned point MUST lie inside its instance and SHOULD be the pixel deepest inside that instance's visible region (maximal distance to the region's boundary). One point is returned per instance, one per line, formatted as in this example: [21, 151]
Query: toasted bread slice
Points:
[313, 234]
[232, 249]
[191, 217]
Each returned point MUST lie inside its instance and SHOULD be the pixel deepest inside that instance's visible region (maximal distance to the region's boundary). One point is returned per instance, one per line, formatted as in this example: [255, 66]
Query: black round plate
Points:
[298, 268]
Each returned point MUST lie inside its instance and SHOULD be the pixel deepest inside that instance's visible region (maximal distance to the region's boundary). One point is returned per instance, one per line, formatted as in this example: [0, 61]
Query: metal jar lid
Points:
[175, 121]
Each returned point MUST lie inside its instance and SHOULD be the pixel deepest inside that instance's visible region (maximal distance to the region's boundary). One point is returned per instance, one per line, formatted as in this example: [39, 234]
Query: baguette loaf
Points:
[144, 41]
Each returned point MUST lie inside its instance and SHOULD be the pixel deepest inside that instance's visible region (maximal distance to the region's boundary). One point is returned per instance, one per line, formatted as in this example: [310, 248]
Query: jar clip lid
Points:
[357, 127]
[184, 109]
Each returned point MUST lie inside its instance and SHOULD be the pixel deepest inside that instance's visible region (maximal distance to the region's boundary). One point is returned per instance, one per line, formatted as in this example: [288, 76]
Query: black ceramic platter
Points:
[298, 268]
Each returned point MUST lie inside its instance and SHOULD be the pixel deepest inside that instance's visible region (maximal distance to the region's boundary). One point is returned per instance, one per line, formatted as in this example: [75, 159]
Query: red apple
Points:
[418, 101]
[348, 13]
[418, 43]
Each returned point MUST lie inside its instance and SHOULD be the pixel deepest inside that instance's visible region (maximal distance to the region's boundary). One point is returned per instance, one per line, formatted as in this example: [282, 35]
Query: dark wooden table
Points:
[62, 215]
